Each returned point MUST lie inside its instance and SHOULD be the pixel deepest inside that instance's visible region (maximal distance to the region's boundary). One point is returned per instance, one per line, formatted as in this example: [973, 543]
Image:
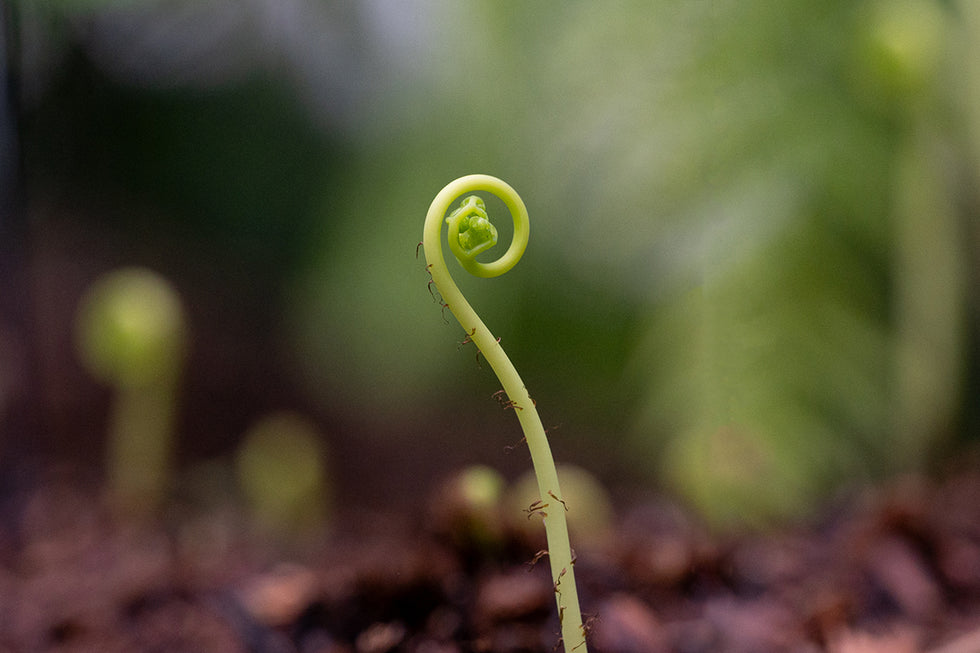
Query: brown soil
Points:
[896, 570]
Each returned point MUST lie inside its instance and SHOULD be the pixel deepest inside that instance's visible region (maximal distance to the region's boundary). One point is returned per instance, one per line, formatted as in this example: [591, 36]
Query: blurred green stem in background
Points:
[913, 39]
[929, 304]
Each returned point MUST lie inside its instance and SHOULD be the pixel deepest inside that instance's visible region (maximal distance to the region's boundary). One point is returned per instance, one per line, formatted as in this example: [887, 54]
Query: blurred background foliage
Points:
[751, 277]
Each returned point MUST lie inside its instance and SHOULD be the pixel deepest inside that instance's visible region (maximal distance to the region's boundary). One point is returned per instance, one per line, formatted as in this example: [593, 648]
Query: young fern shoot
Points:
[470, 234]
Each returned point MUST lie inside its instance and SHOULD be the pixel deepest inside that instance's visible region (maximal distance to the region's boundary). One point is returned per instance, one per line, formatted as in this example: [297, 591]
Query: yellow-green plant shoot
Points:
[470, 234]
[131, 333]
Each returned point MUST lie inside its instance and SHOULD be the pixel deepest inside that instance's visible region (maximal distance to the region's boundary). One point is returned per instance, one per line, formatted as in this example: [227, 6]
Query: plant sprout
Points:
[470, 234]
[281, 467]
[131, 334]
[469, 509]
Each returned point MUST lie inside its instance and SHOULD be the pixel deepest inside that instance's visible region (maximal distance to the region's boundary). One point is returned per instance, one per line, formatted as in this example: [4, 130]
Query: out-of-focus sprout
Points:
[590, 509]
[909, 47]
[131, 334]
[467, 508]
[281, 468]
[901, 48]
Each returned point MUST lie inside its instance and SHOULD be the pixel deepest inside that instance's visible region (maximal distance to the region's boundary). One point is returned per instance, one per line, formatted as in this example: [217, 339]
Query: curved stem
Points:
[470, 223]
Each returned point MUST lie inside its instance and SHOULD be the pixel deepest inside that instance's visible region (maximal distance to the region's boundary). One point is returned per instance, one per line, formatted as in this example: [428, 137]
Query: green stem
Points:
[469, 224]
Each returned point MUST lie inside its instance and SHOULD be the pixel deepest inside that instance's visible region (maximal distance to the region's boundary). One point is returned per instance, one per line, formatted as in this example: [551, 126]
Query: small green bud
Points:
[901, 49]
[130, 328]
[472, 204]
[467, 508]
[480, 234]
[476, 233]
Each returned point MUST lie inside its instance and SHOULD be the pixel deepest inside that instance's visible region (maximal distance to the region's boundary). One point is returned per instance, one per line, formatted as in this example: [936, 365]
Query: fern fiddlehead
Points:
[471, 233]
